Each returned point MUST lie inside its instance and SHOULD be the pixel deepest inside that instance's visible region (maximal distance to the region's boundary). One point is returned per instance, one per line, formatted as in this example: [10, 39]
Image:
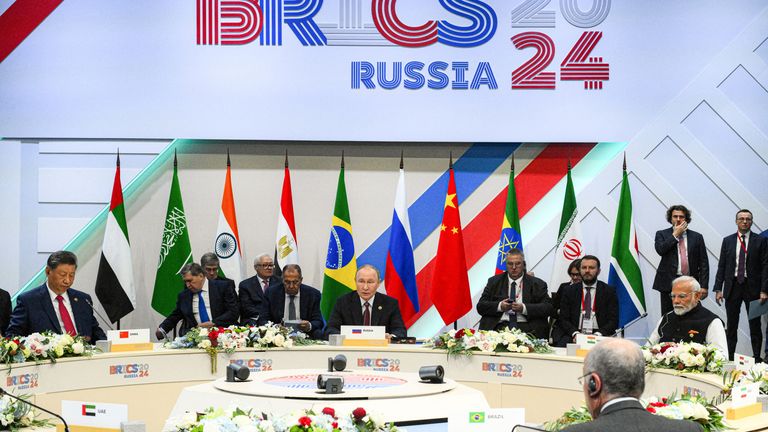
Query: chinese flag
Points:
[450, 283]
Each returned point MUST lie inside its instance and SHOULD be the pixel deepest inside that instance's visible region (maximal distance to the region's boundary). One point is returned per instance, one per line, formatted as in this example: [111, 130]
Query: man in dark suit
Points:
[742, 276]
[515, 299]
[613, 381]
[682, 252]
[5, 311]
[205, 303]
[366, 306]
[251, 290]
[55, 306]
[590, 306]
[291, 300]
[210, 264]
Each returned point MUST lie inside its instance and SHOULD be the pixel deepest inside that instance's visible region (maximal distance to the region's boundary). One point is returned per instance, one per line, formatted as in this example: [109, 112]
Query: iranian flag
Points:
[114, 282]
[286, 245]
[569, 239]
[227, 243]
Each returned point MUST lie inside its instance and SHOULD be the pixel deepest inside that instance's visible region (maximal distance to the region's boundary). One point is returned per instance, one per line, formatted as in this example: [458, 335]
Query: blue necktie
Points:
[201, 308]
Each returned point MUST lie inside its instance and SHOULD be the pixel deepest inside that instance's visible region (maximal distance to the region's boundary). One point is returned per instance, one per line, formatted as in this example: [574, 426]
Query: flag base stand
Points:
[148, 346]
[743, 411]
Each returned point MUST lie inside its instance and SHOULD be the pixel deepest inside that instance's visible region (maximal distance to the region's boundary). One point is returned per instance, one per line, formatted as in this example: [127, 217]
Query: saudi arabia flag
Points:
[569, 240]
[340, 263]
[625, 266]
[114, 282]
[175, 251]
[227, 242]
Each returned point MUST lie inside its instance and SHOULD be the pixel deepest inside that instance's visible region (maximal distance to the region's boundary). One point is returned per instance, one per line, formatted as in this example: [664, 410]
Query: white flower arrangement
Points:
[43, 346]
[236, 419]
[465, 341]
[684, 357]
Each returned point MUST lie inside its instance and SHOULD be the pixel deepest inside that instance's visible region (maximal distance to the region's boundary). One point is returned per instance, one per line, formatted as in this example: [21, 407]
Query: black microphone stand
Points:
[4, 392]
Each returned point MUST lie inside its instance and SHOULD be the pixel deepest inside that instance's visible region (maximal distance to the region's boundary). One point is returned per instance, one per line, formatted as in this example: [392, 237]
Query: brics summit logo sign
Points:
[465, 24]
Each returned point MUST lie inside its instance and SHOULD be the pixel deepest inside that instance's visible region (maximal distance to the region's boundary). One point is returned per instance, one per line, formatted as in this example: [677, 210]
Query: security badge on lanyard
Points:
[588, 321]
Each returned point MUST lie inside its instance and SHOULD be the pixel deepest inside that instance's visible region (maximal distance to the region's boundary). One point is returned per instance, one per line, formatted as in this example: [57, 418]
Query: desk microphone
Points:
[527, 428]
[620, 331]
[97, 313]
[4, 392]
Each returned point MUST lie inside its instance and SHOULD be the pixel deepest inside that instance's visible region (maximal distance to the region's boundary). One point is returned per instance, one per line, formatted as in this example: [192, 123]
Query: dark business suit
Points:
[273, 308]
[698, 263]
[34, 313]
[630, 416]
[385, 311]
[535, 298]
[5, 310]
[251, 295]
[756, 270]
[606, 311]
[223, 306]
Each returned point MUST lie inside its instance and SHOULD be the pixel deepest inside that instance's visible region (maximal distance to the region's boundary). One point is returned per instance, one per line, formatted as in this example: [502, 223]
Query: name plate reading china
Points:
[130, 340]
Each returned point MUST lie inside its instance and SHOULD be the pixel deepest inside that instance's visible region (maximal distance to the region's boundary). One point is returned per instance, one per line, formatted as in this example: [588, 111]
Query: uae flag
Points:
[227, 242]
[114, 282]
[286, 244]
[450, 282]
[569, 240]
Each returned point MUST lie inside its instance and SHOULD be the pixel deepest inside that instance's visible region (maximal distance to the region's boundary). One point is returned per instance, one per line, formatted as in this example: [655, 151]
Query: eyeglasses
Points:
[574, 274]
[292, 282]
[514, 264]
[581, 378]
[680, 296]
[744, 219]
[266, 265]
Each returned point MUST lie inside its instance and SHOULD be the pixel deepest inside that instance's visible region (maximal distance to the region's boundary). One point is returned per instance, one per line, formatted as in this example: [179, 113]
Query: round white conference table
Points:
[150, 382]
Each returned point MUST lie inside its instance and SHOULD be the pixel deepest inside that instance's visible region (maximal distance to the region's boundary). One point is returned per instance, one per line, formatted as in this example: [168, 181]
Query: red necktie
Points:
[741, 273]
[367, 314]
[69, 326]
[683, 257]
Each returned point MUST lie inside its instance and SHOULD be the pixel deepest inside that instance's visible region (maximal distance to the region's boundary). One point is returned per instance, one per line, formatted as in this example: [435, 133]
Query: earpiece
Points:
[592, 385]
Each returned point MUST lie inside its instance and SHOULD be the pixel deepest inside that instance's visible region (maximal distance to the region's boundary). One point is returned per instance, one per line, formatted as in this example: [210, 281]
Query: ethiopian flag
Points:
[511, 237]
[175, 251]
[340, 263]
[114, 282]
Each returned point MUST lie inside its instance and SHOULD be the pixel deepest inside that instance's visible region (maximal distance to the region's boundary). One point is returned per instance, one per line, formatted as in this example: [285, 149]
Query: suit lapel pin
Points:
[379, 307]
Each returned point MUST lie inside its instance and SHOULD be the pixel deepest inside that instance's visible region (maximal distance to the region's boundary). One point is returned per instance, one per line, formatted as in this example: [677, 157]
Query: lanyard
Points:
[594, 297]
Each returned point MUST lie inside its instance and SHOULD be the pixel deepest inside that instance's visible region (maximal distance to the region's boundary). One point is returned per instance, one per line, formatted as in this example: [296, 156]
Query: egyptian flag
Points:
[114, 283]
[286, 244]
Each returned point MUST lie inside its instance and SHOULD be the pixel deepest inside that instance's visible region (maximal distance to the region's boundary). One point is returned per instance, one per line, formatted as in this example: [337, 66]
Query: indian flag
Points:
[227, 242]
[625, 266]
[114, 283]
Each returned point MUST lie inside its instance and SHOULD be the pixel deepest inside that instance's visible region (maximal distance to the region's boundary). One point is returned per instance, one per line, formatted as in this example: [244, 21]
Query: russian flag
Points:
[400, 273]
[357, 331]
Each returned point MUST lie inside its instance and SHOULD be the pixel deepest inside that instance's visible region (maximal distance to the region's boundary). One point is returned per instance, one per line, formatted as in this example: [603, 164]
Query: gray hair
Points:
[620, 365]
[209, 258]
[695, 286]
[194, 268]
[292, 267]
[516, 251]
[369, 266]
[257, 260]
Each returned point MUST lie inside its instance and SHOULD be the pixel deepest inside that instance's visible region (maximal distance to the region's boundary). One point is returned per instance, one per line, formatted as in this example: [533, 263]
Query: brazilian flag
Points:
[340, 264]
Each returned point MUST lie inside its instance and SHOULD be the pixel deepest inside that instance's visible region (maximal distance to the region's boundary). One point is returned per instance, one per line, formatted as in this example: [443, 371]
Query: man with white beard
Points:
[689, 321]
